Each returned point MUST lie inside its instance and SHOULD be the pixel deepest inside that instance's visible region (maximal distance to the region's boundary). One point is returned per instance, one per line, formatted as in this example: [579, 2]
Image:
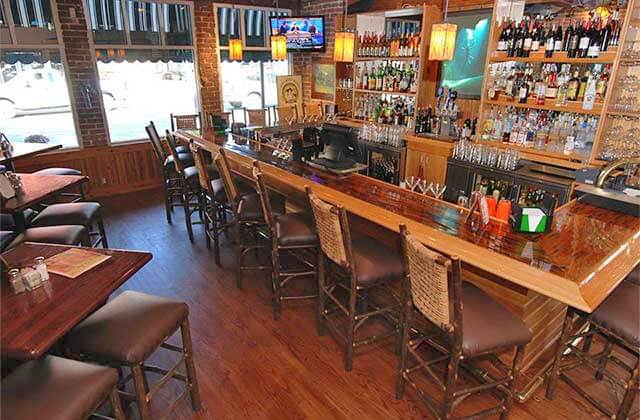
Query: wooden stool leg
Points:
[404, 335]
[602, 363]
[141, 393]
[515, 371]
[632, 389]
[275, 279]
[202, 199]
[238, 246]
[188, 361]
[322, 299]
[348, 359]
[187, 213]
[103, 234]
[116, 406]
[215, 221]
[452, 379]
[555, 367]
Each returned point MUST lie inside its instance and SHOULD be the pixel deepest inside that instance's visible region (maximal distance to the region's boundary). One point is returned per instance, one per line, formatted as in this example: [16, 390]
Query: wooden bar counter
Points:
[584, 256]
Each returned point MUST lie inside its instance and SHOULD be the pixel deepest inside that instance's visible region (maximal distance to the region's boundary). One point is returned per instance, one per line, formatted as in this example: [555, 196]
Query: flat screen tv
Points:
[465, 71]
[304, 33]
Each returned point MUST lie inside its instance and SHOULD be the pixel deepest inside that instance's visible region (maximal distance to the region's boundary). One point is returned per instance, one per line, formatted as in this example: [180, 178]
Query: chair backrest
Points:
[156, 142]
[287, 114]
[313, 110]
[185, 122]
[333, 230]
[227, 179]
[219, 121]
[171, 141]
[264, 196]
[199, 159]
[433, 283]
[255, 117]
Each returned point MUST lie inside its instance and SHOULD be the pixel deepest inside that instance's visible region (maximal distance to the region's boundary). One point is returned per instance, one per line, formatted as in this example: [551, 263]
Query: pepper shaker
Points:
[15, 279]
[41, 267]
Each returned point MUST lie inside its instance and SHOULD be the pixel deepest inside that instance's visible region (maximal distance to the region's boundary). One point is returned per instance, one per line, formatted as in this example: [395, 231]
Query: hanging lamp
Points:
[278, 42]
[345, 42]
[443, 39]
[235, 43]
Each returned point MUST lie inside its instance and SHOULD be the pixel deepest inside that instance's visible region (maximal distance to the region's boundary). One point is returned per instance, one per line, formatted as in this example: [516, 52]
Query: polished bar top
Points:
[583, 257]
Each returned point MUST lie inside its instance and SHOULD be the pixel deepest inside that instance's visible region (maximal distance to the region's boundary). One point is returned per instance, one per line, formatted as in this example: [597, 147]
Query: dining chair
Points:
[287, 115]
[185, 122]
[461, 324]
[358, 267]
[255, 117]
[313, 111]
[294, 246]
[219, 121]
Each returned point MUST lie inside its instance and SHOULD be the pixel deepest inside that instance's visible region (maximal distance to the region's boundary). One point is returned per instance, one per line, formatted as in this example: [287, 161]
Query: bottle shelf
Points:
[573, 157]
[625, 113]
[384, 92]
[572, 107]
[365, 59]
[605, 57]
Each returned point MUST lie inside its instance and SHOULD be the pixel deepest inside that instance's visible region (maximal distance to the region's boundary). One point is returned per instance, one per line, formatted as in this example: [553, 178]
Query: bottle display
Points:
[387, 76]
[385, 109]
[443, 119]
[371, 44]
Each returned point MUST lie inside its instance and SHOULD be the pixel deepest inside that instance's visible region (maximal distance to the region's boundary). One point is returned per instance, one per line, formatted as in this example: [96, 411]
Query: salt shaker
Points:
[32, 279]
[15, 279]
[41, 267]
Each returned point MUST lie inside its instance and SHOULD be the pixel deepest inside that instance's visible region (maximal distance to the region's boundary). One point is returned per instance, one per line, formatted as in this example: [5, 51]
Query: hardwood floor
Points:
[250, 366]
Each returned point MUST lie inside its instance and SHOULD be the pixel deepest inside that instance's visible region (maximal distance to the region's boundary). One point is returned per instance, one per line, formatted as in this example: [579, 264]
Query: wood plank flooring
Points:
[252, 367]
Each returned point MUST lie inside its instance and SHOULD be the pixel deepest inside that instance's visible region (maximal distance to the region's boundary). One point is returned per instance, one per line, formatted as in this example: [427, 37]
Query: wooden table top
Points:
[38, 188]
[34, 321]
[23, 150]
[585, 255]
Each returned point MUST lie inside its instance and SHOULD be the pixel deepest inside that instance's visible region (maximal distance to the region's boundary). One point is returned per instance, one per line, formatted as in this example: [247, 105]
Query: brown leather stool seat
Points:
[620, 312]
[295, 229]
[58, 171]
[250, 207]
[56, 388]
[488, 325]
[375, 263]
[67, 214]
[61, 235]
[185, 158]
[6, 237]
[128, 328]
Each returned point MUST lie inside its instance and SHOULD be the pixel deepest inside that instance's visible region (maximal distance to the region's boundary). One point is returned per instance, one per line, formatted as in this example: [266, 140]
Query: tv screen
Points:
[305, 33]
[465, 71]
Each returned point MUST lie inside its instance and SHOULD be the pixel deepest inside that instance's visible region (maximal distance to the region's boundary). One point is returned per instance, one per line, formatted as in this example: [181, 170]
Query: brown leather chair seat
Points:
[620, 312]
[295, 229]
[375, 263]
[55, 388]
[61, 235]
[185, 158]
[487, 325]
[67, 214]
[128, 328]
[250, 207]
[57, 171]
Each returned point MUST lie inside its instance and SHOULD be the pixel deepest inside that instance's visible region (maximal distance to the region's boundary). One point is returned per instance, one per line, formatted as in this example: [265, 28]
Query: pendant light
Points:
[443, 39]
[278, 42]
[235, 43]
[345, 42]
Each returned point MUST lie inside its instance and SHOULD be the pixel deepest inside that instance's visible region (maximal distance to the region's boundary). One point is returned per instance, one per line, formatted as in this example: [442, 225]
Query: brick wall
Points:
[82, 72]
[208, 69]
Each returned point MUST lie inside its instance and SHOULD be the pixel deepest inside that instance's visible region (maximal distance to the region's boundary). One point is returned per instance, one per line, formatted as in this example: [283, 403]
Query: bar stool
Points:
[466, 325]
[292, 236]
[72, 235]
[287, 114]
[74, 197]
[185, 122]
[617, 320]
[248, 220]
[56, 388]
[83, 214]
[167, 168]
[357, 267]
[213, 202]
[126, 331]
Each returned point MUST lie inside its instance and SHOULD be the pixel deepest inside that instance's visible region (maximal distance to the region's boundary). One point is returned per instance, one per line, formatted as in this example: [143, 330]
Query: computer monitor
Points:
[340, 143]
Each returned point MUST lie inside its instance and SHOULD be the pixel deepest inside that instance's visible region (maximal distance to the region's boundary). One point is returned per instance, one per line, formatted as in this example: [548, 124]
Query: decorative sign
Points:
[324, 80]
[290, 91]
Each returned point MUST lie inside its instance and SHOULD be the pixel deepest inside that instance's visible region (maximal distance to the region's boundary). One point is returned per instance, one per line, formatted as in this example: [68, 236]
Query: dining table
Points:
[25, 150]
[34, 321]
[35, 190]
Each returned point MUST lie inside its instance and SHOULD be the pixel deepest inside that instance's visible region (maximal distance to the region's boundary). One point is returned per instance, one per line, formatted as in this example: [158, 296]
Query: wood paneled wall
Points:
[111, 170]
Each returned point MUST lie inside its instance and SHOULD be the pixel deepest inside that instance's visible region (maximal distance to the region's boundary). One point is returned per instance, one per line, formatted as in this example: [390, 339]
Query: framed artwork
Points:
[323, 84]
[290, 91]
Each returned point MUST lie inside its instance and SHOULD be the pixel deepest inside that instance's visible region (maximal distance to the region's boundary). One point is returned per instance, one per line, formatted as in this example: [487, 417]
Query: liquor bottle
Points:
[583, 44]
[573, 86]
[582, 87]
[550, 43]
[605, 36]
[502, 39]
[527, 40]
[557, 46]
[511, 40]
[574, 39]
[601, 83]
[590, 94]
[364, 83]
[594, 40]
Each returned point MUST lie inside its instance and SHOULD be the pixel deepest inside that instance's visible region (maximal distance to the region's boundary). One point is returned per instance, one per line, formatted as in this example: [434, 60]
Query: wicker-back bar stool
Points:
[287, 114]
[185, 122]
[248, 220]
[617, 321]
[465, 324]
[349, 270]
[294, 246]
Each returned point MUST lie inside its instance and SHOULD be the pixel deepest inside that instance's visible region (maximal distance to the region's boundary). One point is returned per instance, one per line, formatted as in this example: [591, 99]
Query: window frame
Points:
[129, 46]
[243, 32]
[14, 45]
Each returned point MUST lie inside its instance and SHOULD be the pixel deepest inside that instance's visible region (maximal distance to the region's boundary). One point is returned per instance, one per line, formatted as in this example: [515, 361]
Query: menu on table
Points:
[74, 262]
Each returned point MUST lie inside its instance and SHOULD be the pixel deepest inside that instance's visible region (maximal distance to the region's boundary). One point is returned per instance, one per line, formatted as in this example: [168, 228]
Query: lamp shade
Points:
[344, 47]
[443, 41]
[278, 47]
[235, 49]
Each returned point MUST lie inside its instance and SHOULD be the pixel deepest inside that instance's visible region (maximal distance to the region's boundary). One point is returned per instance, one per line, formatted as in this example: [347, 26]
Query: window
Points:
[150, 76]
[34, 95]
[252, 82]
